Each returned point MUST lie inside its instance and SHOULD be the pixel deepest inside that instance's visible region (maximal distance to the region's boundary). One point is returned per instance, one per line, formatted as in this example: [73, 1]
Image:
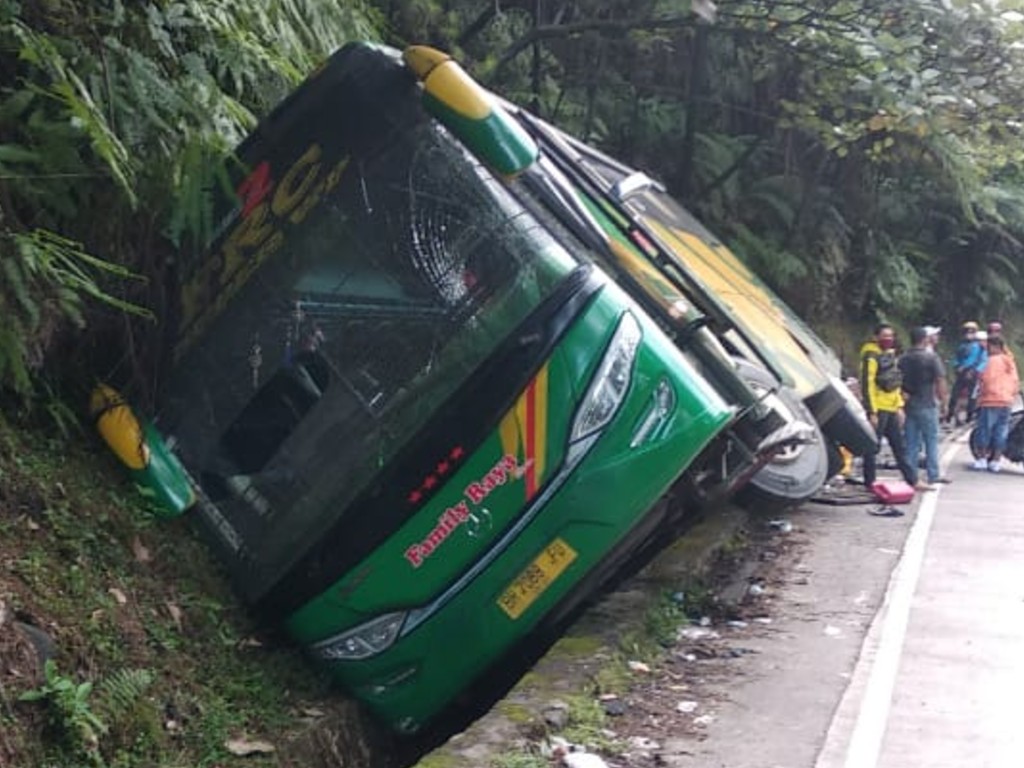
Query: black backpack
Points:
[887, 377]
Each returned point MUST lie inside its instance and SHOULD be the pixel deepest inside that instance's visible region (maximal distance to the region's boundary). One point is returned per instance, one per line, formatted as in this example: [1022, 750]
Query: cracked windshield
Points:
[372, 311]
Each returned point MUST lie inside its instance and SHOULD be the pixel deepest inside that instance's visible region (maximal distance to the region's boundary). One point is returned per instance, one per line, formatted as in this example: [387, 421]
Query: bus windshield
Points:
[376, 302]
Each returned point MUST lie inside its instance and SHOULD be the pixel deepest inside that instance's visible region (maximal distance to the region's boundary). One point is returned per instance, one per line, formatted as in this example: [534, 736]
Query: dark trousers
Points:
[889, 428]
[966, 383]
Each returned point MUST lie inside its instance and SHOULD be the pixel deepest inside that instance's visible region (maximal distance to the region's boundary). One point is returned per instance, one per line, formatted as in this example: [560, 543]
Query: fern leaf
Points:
[120, 692]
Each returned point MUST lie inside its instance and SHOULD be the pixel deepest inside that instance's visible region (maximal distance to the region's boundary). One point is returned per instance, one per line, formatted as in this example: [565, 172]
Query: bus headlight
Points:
[364, 641]
[611, 381]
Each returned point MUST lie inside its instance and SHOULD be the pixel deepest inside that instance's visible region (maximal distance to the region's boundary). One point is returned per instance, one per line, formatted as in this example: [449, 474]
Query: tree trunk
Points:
[535, 68]
[698, 57]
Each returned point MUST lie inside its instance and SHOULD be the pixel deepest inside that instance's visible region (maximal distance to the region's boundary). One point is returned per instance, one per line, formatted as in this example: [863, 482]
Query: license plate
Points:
[536, 577]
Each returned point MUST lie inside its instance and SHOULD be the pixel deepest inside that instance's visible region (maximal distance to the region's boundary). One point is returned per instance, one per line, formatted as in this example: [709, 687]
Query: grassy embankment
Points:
[151, 659]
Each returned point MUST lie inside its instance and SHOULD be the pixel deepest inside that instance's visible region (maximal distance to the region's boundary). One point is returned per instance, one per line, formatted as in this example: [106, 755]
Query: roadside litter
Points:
[841, 492]
[890, 493]
[889, 511]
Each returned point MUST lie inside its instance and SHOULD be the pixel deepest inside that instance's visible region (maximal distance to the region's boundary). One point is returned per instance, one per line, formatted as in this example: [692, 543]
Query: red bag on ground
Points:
[893, 491]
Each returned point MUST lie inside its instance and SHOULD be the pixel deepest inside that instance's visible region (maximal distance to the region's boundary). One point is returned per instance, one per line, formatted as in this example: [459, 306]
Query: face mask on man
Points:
[887, 343]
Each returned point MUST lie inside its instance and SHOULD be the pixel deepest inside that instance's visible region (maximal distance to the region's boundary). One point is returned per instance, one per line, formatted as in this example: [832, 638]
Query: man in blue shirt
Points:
[968, 364]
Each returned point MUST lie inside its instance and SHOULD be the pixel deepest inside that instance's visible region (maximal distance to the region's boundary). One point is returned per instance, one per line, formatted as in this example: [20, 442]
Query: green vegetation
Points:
[588, 725]
[79, 726]
[520, 760]
[865, 161]
[120, 644]
[864, 158]
[111, 117]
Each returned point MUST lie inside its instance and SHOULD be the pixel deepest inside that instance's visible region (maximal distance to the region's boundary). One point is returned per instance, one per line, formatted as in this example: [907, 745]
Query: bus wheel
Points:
[797, 473]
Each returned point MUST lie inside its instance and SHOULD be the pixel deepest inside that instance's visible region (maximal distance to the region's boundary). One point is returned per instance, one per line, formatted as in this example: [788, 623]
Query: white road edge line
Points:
[866, 741]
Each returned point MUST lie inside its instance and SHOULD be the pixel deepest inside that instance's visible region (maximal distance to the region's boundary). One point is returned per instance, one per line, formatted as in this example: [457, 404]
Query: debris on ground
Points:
[583, 760]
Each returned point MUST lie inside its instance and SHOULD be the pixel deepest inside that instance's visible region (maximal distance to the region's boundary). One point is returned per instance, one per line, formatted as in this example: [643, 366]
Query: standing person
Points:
[924, 386]
[967, 365]
[883, 401]
[995, 329]
[933, 332]
[999, 384]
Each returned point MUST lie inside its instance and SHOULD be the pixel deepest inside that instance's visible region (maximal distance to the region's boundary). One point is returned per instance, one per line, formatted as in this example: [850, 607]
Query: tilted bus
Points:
[414, 418]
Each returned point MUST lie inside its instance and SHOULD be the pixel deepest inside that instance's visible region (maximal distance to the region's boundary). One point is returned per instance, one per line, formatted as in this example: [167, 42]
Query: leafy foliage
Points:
[71, 711]
[110, 117]
[854, 152]
[174, 672]
[44, 279]
[122, 691]
[81, 717]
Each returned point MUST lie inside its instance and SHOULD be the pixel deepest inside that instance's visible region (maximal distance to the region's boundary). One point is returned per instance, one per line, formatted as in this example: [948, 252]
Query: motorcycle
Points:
[1014, 442]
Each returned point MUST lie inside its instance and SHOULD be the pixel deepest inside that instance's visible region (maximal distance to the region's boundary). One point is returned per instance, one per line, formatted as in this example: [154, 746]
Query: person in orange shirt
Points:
[999, 384]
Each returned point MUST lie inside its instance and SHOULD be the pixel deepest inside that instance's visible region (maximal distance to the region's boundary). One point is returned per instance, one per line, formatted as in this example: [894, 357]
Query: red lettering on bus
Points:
[499, 474]
[506, 468]
[255, 187]
[451, 519]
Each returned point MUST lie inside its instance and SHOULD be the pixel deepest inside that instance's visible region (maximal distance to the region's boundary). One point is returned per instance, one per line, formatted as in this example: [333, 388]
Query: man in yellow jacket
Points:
[880, 383]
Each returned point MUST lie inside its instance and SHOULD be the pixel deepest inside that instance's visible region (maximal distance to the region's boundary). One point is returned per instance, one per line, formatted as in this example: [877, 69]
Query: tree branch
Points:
[554, 31]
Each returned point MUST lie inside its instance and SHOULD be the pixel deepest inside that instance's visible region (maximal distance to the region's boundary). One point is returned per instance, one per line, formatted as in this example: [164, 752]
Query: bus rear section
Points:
[776, 350]
[417, 423]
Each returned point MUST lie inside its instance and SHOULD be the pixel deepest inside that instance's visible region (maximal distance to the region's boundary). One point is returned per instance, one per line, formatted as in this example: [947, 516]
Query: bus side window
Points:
[276, 410]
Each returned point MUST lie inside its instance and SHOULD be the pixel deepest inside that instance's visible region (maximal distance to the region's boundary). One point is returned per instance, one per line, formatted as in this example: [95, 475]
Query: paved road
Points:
[894, 642]
[941, 672]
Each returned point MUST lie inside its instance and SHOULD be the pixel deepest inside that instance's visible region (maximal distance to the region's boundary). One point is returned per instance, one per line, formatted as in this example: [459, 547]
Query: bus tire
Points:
[797, 474]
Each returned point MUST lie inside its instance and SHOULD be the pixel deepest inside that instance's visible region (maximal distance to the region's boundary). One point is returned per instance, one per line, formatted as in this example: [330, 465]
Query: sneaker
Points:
[921, 485]
[995, 465]
[980, 464]
[942, 481]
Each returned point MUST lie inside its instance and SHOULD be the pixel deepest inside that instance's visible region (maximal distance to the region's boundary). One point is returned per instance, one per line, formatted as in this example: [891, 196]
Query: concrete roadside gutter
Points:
[595, 656]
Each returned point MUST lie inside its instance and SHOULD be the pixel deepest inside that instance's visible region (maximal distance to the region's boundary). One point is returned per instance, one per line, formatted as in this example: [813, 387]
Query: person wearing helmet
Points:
[968, 364]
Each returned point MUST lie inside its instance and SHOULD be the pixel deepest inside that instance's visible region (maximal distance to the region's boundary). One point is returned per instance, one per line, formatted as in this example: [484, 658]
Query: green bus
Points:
[412, 415]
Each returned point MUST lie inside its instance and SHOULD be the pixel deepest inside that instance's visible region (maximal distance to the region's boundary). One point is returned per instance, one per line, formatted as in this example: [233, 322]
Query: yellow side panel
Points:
[119, 428]
[752, 307]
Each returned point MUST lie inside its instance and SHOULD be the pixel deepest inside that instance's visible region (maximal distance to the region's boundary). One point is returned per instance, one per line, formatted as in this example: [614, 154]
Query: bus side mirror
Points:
[470, 112]
[156, 472]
